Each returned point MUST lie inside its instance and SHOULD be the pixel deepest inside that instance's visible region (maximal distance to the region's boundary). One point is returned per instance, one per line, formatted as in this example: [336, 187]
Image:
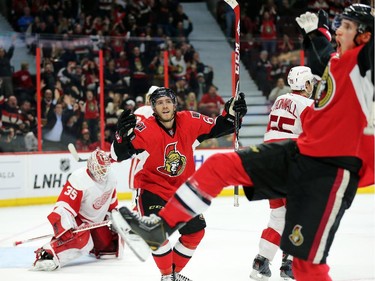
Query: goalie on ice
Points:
[88, 197]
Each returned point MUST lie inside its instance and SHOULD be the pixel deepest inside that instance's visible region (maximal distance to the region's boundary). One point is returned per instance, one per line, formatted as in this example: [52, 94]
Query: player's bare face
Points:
[345, 35]
[165, 109]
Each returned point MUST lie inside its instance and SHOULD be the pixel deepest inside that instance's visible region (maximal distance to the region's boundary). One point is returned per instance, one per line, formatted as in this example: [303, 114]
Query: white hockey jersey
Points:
[84, 199]
[285, 118]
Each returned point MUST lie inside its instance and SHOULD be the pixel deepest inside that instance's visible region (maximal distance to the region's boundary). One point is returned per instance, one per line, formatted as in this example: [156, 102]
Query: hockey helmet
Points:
[361, 14]
[298, 76]
[162, 92]
[148, 94]
[98, 165]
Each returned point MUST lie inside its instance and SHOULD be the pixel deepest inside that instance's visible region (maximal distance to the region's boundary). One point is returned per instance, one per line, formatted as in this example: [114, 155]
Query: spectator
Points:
[262, 73]
[200, 87]
[191, 102]
[139, 83]
[23, 83]
[268, 33]
[83, 142]
[48, 75]
[178, 65]
[13, 125]
[91, 114]
[276, 70]
[24, 21]
[53, 130]
[113, 80]
[181, 24]
[157, 69]
[6, 68]
[285, 45]
[279, 90]
[211, 103]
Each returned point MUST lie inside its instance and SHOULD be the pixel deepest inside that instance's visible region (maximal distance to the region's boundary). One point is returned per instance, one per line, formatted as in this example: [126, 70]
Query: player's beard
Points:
[161, 119]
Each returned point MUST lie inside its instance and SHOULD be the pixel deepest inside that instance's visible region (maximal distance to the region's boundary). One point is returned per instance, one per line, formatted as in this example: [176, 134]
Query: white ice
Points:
[226, 252]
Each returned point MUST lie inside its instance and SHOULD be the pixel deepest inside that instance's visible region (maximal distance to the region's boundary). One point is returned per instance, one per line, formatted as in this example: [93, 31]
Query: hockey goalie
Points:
[88, 197]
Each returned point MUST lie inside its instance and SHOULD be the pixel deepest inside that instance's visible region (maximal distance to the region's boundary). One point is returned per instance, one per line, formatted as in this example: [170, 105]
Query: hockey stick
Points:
[72, 149]
[84, 227]
[236, 69]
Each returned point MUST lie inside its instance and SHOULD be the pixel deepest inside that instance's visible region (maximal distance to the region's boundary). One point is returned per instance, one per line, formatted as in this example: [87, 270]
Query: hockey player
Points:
[165, 145]
[141, 113]
[88, 196]
[318, 174]
[285, 122]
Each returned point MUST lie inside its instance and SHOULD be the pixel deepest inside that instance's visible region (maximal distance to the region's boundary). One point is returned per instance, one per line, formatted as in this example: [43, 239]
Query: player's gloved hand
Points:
[240, 106]
[235, 106]
[125, 126]
[67, 235]
[309, 22]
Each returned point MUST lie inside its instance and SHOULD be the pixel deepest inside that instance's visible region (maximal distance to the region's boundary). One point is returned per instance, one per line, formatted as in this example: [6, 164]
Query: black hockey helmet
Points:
[361, 14]
[162, 92]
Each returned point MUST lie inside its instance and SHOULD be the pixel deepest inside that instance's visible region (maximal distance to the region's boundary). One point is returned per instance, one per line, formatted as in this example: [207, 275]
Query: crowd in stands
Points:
[270, 39]
[133, 36]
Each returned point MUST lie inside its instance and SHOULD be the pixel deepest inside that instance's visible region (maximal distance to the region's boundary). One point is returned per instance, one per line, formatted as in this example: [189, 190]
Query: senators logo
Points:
[324, 90]
[174, 161]
[296, 237]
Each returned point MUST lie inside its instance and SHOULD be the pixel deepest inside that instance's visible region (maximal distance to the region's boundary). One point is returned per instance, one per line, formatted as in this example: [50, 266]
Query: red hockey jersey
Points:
[168, 157]
[335, 125]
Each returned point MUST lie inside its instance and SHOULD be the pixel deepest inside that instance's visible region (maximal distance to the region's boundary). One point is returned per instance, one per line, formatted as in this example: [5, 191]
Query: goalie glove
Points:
[233, 106]
[125, 126]
[309, 22]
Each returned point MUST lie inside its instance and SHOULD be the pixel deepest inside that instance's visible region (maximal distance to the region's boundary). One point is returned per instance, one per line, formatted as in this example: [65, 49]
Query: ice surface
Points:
[225, 253]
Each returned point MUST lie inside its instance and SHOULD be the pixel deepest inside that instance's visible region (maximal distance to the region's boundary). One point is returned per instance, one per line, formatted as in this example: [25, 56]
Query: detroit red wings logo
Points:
[99, 202]
[174, 161]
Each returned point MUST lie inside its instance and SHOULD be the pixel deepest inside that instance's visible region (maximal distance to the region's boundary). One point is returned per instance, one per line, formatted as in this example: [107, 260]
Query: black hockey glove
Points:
[125, 126]
[235, 106]
[323, 21]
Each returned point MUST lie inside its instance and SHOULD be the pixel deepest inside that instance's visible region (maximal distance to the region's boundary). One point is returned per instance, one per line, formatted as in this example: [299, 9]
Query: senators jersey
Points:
[335, 125]
[286, 117]
[141, 113]
[84, 199]
[167, 159]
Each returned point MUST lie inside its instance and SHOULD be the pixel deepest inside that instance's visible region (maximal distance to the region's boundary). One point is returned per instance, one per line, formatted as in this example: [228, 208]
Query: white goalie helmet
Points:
[98, 165]
[298, 76]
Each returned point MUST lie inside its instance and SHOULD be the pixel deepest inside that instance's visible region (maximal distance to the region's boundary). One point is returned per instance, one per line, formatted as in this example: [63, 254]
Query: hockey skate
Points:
[169, 277]
[180, 277]
[45, 261]
[151, 228]
[286, 268]
[134, 241]
[261, 269]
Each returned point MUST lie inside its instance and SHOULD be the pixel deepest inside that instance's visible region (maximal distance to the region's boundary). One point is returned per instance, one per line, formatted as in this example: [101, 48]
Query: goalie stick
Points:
[236, 75]
[79, 229]
[135, 243]
[72, 149]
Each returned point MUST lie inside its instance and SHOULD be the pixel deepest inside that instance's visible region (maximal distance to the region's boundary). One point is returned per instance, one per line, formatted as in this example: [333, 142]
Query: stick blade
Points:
[73, 151]
[232, 3]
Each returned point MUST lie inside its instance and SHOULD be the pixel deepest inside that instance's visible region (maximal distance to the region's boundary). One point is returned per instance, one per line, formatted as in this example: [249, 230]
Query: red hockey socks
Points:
[307, 271]
[163, 258]
[185, 248]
